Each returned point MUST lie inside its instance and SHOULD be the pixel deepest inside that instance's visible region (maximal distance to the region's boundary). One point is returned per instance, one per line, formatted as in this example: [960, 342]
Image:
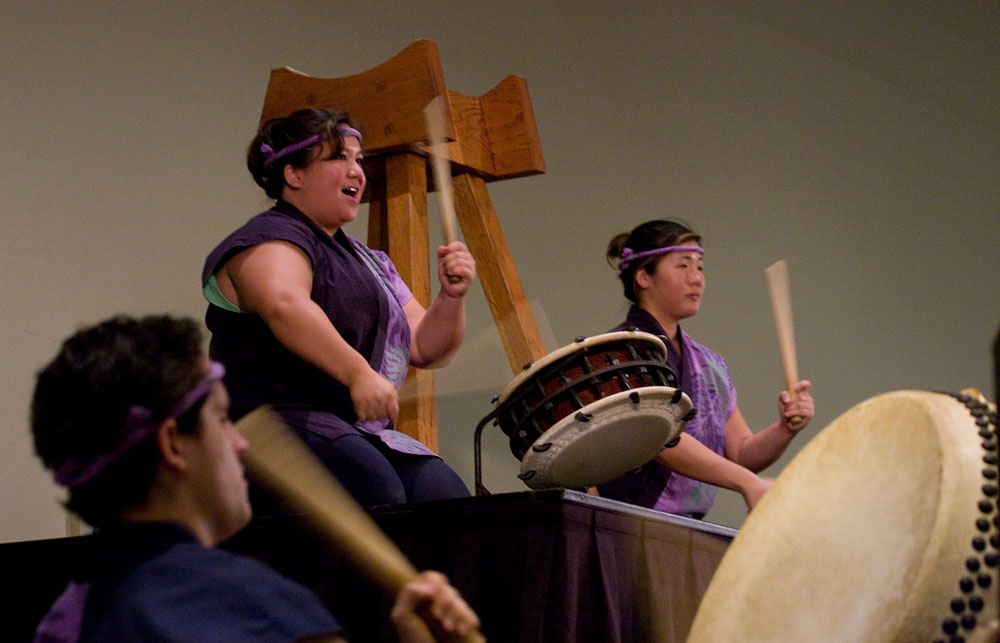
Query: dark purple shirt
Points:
[362, 295]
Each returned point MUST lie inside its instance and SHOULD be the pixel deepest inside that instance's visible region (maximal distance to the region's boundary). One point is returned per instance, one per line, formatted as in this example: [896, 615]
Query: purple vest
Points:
[704, 376]
[361, 293]
[260, 370]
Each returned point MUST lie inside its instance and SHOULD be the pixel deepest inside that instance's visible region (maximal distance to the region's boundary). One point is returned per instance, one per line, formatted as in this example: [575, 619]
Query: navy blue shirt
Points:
[156, 582]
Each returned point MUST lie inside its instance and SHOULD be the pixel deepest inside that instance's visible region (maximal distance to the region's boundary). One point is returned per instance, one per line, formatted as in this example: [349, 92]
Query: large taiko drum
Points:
[883, 528]
[593, 410]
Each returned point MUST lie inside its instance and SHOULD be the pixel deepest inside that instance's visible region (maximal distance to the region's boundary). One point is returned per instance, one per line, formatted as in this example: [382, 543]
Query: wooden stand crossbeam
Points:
[491, 137]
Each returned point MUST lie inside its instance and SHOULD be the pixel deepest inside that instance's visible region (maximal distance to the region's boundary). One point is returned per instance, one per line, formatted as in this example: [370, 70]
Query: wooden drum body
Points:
[883, 528]
[593, 410]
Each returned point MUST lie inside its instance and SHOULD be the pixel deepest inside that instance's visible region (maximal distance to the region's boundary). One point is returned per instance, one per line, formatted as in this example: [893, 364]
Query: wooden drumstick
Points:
[441, 167]
[781, 305]
[282, 462]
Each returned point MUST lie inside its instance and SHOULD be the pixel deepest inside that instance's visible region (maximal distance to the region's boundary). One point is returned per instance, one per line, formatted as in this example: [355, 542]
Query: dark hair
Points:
[279, 133]
[647, 236]
[83, 396]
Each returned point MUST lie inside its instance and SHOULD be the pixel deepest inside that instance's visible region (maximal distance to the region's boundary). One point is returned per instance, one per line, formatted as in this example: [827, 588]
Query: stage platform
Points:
[538, 566]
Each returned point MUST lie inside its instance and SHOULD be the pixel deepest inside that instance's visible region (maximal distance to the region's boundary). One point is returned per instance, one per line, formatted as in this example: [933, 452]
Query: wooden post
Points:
[397, 224]
[502, 286]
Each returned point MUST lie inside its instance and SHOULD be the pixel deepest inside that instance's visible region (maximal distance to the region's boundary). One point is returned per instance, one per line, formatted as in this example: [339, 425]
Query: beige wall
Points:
[859, 141]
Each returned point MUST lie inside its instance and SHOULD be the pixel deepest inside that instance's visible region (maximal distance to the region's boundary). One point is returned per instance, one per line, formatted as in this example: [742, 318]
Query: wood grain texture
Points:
[387, 100]
[397, 225]
[501, 283]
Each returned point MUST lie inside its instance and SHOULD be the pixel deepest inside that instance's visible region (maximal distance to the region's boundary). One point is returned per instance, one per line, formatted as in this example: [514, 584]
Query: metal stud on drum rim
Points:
[633, 425]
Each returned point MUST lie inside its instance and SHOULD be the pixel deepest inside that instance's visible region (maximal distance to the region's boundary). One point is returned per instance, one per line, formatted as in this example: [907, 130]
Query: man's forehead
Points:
[218, 396]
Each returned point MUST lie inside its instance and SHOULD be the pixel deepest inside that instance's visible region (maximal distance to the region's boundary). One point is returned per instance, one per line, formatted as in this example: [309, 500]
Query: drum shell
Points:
[567, 381]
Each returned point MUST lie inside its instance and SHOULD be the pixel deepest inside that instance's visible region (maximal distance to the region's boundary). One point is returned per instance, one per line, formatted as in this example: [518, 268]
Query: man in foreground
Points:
[133, 420]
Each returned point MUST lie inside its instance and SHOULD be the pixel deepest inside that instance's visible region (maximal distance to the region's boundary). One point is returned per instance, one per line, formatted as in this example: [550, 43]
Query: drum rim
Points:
[677, 410]
[569, 349]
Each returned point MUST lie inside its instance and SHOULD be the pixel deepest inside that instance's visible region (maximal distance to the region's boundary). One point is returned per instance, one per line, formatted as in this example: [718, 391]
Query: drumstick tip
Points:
[777, 266]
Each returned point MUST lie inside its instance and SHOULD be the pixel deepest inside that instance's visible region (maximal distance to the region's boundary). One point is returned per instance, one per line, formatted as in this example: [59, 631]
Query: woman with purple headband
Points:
[660, 264]
[321, 327]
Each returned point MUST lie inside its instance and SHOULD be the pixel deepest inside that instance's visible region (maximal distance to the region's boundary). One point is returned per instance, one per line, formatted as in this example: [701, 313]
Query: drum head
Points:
[880, 529]
[606, 439]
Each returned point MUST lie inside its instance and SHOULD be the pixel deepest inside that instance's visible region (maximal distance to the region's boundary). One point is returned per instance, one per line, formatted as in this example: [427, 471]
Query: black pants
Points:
[376, 475]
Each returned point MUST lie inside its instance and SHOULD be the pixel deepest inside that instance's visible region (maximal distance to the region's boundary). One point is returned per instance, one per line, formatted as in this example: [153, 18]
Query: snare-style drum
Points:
[883, 528]
[593, 410]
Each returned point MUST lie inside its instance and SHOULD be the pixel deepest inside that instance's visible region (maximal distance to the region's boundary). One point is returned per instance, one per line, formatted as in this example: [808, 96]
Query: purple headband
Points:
[629, 255]
[273, 156]
[139, 423]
